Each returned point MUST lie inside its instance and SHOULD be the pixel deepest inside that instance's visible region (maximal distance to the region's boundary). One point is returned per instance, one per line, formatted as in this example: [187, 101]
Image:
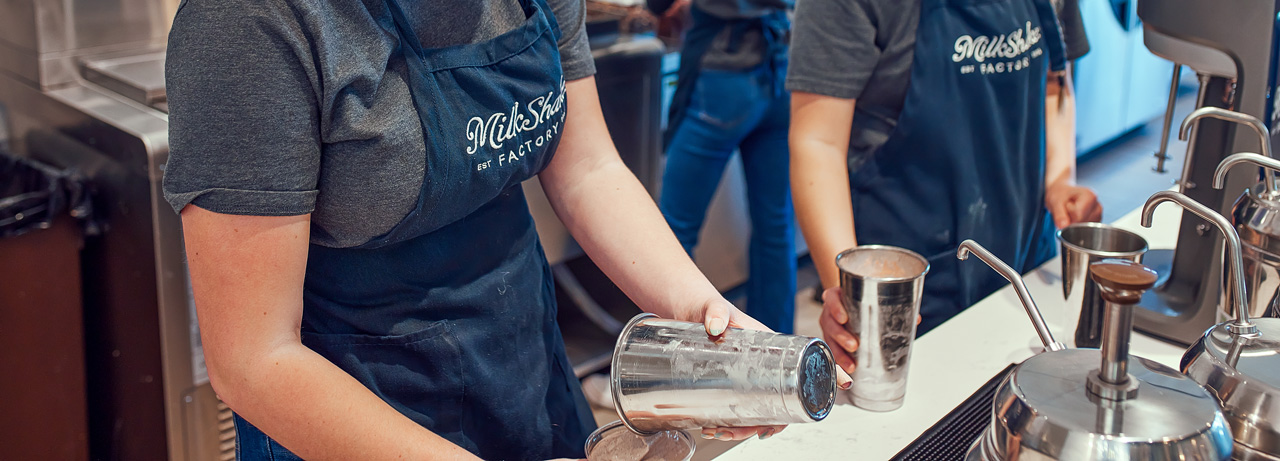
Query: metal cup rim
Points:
[1102, 253]
[614, 383]
[909, 253]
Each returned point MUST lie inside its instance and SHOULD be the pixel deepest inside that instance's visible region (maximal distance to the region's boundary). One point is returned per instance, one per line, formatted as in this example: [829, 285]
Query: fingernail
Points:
[767, 433]
[846, 385]
[723, 436]
[716, 326]
[850, 345]
[708, 436]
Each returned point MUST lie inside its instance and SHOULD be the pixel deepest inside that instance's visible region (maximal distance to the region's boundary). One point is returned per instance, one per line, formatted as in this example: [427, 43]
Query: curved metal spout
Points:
[1235, 117]
[1012, 276]
[1220, 175]
[1234, 257]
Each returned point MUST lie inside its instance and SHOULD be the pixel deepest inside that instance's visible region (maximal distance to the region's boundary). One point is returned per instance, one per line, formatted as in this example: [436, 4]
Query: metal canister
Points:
[1256, 217]
[1083, 244]
[882, 288]
[669, 374]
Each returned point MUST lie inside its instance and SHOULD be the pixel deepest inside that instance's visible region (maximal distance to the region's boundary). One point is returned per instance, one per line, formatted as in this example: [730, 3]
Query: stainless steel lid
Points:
[1046, 411]
[1091, 404]
[1244, 372]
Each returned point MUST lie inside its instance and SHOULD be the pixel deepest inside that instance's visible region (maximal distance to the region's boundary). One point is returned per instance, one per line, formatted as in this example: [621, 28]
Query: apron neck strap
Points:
[1052, 34]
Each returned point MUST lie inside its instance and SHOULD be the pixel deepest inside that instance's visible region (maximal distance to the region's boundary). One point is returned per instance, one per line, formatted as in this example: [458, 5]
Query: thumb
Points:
[716, 318]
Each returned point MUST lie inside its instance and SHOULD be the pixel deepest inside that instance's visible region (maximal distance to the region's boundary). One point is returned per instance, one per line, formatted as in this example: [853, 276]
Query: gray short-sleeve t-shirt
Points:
[863, 49]
[288, 107]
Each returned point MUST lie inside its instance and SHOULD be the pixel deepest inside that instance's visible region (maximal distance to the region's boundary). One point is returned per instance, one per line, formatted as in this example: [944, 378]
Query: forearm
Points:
[824, 207]
[613, 217]
[615, 221]
[819, 141]
[320, 412]
[1060, 132]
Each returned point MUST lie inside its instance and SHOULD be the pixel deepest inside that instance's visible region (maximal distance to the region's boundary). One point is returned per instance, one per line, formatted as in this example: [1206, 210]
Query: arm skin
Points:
[820, 127]
[1068, 202]
[615, 220]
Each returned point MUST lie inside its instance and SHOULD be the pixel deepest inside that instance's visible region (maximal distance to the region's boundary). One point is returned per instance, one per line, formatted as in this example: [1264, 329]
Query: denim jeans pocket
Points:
[727, 99]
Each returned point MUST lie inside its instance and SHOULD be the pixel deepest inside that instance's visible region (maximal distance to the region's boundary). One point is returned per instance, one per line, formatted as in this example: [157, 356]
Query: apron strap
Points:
[1052, 35]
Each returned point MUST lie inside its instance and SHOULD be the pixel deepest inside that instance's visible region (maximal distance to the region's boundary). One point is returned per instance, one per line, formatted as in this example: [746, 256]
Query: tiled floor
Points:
[1121, 173]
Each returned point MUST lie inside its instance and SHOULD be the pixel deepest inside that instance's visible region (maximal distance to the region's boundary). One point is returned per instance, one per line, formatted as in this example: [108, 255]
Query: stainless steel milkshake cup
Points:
[669, 374]
[1083, 244]
[881, 287]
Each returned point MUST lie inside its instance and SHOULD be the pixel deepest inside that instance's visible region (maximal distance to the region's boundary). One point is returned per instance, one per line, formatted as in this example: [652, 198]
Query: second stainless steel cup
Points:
[669, 374]
[882, 287]
[1082, 245]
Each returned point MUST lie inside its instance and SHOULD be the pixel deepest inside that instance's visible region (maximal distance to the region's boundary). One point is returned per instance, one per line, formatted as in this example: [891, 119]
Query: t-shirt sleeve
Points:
[575, 51]
[243, 120]
[1073, 30]
[833, 48]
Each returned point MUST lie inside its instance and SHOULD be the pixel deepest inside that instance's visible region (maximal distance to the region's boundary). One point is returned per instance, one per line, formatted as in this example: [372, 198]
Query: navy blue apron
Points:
[967, 158]
[450, 317]
[773, 27]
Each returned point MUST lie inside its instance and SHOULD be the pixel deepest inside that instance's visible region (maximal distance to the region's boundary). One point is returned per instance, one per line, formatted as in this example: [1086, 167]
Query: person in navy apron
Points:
[438, 338]
[965, 158]
[729, 96]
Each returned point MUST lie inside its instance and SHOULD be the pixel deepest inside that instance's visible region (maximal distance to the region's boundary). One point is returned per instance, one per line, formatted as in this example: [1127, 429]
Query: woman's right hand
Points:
[843, 344]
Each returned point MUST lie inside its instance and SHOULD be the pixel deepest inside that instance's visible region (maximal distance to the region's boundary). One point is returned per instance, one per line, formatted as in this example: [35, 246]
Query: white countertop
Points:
[953, 361]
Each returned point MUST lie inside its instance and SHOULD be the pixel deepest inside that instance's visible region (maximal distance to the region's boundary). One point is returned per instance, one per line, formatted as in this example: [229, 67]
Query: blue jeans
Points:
[727, 111]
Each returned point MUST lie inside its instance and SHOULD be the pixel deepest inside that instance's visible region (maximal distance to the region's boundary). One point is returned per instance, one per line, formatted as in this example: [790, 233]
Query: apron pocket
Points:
[420, 374]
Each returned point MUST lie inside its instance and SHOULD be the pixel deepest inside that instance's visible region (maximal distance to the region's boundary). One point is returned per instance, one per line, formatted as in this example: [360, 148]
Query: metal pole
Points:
[1163, 154]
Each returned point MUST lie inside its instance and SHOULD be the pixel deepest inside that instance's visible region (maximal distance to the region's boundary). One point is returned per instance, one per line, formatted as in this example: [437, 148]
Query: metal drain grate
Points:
[951, 437]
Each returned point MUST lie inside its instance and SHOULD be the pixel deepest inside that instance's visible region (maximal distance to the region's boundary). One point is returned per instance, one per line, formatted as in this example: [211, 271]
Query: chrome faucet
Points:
[1012, 276]
[1235, 260]
[1235, 117]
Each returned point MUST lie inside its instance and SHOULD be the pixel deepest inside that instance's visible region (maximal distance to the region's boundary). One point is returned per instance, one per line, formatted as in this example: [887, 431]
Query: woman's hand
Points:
[718, 315]
[1071, 204]
[843, 344]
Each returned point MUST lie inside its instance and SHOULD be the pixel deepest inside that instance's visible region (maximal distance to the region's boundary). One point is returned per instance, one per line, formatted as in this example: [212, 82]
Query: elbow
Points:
[234, 373]
[226, 389]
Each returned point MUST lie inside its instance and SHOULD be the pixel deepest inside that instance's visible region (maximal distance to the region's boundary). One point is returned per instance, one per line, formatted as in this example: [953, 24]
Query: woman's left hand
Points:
[718, 315]
[1071, 204]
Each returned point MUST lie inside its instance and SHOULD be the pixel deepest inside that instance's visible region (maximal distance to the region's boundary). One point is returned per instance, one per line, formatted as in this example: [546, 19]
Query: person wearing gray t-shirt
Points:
[366, 273]
[923, 123]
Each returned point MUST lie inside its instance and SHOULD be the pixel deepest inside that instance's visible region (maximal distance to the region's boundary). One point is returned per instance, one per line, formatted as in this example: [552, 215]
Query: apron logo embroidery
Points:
[1009, 47]
[541, 117]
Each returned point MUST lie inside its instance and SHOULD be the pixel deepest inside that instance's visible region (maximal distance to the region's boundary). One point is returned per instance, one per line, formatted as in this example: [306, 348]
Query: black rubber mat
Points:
[951, 437]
